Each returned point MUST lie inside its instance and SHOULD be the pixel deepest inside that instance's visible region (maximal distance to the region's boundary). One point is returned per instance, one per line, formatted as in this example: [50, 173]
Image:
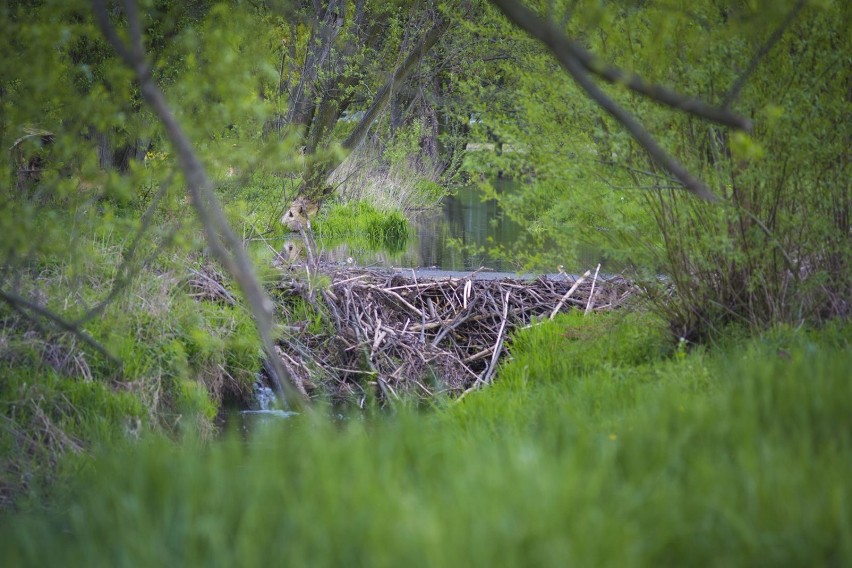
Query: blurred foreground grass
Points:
[598, 445]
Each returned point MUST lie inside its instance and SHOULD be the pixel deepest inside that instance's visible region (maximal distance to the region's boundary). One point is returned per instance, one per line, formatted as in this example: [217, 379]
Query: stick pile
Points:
[388, 333]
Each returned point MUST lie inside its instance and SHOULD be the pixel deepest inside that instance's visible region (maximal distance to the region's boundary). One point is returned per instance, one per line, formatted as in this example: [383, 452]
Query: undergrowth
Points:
[173, 356]
[597, 445]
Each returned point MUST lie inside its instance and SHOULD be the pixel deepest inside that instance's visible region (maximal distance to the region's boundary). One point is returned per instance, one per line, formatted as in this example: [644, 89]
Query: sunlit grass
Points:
[597, 446]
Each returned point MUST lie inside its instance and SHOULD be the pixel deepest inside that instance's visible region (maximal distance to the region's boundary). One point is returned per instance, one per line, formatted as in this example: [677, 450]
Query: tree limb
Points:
[562, 47]
[528, 21]
[223, 243]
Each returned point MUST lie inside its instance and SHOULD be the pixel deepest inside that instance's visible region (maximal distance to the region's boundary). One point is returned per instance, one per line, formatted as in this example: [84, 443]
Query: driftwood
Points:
[386, 333]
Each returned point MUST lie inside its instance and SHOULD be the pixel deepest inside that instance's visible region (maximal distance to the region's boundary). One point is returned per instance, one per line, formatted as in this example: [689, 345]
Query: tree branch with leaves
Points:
[582, 64]
[223, 242]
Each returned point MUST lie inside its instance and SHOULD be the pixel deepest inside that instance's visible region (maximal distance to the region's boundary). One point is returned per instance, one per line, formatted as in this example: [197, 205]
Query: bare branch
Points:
[761, 53]
[563, 48]
[223, 243]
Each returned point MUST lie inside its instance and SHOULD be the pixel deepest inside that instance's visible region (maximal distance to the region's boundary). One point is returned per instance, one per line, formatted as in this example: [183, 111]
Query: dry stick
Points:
[359, 277]
[592, 292]
[479, 355]
[457, 322]
[404, 302]
[499, 345]
[216, 286]
[230, 253]
[570, 291]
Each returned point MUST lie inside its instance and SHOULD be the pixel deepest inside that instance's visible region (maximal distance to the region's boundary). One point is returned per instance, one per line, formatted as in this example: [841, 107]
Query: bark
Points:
[314, 187]
[221, 239]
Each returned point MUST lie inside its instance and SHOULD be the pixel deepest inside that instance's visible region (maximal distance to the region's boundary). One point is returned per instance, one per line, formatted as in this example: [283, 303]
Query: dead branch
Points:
[399, 330]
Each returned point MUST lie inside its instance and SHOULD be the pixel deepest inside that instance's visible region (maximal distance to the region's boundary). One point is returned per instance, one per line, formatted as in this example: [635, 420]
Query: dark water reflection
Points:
[464, 233]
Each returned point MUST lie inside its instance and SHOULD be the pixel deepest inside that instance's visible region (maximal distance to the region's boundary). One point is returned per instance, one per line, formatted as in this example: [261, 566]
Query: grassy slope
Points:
[180, 354]
[594, 448]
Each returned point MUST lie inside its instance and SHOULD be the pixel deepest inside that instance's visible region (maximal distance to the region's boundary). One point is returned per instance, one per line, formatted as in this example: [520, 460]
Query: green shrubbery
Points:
[776, 248]
[592, 455]
[600, 442]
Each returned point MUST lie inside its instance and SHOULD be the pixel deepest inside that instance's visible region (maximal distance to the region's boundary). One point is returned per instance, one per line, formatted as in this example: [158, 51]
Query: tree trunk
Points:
[314, 188]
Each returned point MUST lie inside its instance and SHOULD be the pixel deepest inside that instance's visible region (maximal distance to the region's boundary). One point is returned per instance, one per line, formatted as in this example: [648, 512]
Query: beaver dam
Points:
[366, 333]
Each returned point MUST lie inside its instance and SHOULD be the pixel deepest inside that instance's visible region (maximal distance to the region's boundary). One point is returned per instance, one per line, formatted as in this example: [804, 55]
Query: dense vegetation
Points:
[147, 167]
[597, 446]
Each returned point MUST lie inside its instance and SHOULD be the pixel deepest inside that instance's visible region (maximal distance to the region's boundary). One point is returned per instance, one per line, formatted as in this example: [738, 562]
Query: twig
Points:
[570, 291]
[592, 292]
[499, 345]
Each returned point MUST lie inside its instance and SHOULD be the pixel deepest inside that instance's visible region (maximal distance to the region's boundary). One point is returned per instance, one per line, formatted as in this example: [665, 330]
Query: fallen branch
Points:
[401, 329]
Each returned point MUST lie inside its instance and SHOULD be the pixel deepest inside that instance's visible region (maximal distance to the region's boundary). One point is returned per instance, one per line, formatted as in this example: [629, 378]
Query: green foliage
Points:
[599, 430]
[732, 456]
[778, 249]
[359, 220]
[179, 358]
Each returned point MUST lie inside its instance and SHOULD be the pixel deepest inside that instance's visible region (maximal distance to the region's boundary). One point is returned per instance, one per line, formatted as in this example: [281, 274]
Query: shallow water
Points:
[265, 410]
[459, 235]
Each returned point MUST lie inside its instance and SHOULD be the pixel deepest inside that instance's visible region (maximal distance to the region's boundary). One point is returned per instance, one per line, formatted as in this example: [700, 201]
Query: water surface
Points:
[464, 233]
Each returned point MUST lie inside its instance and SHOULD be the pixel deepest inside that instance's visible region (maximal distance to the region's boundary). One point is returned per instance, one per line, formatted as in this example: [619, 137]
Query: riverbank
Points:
[599, 444]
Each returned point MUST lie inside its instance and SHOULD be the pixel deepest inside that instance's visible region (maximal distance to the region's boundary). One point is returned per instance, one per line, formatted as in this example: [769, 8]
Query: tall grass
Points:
[599, 450]
[360, 220]
[178, 356]
[397, 176]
